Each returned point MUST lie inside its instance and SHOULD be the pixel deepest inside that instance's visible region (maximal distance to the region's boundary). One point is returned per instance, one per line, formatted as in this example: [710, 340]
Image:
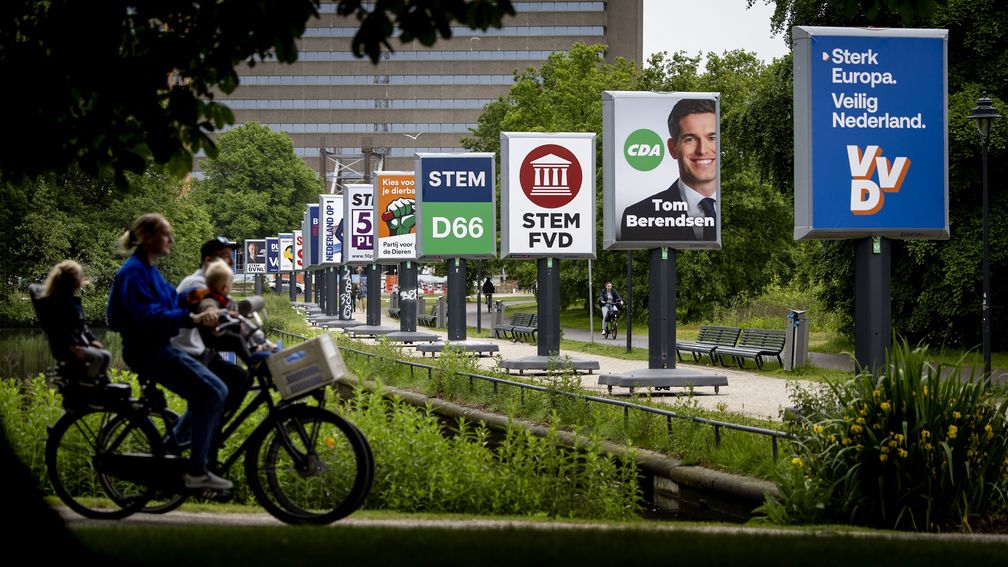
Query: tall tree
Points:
[936, 286]
[257, 186]
[565, 96]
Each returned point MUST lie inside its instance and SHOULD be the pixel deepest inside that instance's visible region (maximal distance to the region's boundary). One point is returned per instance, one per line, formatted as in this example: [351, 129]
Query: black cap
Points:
[213, 246]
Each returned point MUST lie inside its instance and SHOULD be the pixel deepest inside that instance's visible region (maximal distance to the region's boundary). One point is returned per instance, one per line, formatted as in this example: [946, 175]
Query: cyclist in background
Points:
[608, 299]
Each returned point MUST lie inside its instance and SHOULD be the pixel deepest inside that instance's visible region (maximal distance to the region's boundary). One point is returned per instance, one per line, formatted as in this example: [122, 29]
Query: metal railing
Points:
[669, 415]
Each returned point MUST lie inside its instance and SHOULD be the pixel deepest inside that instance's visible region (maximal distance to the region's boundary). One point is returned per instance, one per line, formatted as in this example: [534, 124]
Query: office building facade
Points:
[417, 99]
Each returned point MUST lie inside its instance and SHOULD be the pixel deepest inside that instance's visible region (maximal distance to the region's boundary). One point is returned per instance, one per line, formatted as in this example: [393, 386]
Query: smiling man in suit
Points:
[687, 210]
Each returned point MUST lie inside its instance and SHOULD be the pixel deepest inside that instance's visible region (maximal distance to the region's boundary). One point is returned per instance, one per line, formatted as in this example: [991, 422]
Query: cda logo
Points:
[644, 150]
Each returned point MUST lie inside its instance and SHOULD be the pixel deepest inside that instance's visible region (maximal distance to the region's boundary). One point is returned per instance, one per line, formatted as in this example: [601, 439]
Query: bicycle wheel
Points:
[613, 329]
[307, 465]
[161, 501]
[71, 448]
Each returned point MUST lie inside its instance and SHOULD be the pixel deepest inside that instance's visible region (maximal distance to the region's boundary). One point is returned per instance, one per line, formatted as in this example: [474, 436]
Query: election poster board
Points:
[395, 216]
[547, 195]
[272, 255]
[456, 205]
[298, 251]
[358, 204]
[286, 251]
[330, 229]
[305, 240]
[255, 256]
[312, 238]
[871, 133]
[661, 170]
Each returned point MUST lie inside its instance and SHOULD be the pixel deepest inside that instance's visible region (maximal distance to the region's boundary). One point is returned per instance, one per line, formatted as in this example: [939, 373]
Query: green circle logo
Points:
[644, 150]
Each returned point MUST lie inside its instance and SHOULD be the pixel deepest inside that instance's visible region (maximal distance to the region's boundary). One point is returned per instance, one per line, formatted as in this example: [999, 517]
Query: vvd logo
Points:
[867, 197]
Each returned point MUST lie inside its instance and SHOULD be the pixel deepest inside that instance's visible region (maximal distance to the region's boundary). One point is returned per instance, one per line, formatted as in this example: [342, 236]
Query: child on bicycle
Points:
[216, 296]
[62, 317]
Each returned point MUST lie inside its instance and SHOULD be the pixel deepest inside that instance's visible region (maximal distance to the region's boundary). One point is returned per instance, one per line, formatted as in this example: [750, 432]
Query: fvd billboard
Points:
[871, 133]
[547, 195]
[456, 206]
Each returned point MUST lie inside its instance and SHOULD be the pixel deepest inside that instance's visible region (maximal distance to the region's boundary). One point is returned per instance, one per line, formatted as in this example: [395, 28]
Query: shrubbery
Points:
[910, 449]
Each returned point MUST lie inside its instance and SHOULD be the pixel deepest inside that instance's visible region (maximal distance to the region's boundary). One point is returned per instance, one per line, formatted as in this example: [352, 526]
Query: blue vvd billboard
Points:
[871, 133]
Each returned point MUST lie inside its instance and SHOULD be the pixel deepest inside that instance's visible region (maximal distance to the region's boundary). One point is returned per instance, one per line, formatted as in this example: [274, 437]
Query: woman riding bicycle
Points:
[608, 299]
[144, 309]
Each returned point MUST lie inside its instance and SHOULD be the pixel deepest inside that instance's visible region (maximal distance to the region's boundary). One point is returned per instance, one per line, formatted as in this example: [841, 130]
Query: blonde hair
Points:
[218, 274]
[142, 229]
[63, 279]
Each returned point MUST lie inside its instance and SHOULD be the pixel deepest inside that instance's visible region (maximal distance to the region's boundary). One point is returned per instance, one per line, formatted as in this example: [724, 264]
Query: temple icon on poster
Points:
[550, 176]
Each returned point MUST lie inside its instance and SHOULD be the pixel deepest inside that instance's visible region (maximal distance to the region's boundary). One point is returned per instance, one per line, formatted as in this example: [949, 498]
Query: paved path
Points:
[747, 393]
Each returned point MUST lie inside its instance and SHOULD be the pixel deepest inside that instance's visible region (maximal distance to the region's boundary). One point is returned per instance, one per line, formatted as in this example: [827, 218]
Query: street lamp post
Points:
[984, 116]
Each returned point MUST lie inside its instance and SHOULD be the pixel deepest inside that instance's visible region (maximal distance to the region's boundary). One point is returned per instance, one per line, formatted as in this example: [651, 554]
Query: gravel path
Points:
[747, 393]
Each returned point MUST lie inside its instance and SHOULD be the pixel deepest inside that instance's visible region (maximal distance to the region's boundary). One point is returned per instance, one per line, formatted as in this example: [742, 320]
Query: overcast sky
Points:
[700, 26]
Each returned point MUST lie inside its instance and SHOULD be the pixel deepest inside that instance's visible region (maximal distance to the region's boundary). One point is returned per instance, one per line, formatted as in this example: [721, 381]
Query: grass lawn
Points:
[495, 541]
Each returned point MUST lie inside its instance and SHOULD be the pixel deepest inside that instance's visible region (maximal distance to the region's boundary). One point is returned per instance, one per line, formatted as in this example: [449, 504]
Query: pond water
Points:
[25, 352]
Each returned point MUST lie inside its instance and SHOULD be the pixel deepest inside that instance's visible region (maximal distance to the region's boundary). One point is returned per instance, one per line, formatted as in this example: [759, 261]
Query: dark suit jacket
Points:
[645, 208]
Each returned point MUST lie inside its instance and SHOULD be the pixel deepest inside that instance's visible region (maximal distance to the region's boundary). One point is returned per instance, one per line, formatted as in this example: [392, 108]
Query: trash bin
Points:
[796, 341]
[441, 315]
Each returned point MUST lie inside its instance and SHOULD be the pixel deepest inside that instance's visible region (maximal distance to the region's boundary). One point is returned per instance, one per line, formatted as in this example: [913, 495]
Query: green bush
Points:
[419, 468]
[910, 449]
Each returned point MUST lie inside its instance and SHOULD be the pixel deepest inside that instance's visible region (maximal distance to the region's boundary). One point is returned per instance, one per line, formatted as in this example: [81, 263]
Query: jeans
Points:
[187, 377]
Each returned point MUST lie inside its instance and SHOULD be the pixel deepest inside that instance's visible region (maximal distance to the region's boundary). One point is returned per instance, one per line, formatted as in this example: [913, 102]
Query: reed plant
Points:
[917, 447]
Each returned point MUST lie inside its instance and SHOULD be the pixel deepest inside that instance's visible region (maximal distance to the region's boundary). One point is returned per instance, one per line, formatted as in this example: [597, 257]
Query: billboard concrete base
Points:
[662, 378]
[412, 337]
[335, 323]
[464, 345]
[544, 363]
[368, 331]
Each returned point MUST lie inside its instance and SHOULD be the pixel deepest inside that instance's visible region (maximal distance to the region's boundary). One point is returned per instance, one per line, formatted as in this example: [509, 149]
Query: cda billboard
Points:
[661, 170]
[456, 206]
[871, 133]
[358, 212]
[395, 216]
[547, 195]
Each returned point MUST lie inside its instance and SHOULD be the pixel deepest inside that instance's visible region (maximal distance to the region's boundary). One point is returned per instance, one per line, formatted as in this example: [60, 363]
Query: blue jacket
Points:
[143, 307]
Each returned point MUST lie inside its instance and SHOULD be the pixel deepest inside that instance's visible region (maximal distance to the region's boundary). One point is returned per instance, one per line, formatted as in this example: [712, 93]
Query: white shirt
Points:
[189, 340]
[693, 209]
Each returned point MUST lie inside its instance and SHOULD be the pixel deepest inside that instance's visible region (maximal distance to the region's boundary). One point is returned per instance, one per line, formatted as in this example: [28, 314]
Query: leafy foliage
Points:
[913, 448]
[941, 301]
[252, 187]
[77, 217]
[108, 86]
[565, 96]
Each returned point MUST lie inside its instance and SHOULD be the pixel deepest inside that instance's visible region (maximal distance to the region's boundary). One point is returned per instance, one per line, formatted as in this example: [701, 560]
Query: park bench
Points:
[528, 330]
[429, 319]
[754, 344]
[517, 320]
[708, 339]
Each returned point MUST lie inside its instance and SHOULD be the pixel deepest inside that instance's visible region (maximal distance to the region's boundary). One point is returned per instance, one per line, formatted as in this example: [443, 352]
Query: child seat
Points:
[70, 375]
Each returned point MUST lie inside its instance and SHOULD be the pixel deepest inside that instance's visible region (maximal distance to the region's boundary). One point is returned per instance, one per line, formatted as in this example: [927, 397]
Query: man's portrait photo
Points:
[687, 209]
